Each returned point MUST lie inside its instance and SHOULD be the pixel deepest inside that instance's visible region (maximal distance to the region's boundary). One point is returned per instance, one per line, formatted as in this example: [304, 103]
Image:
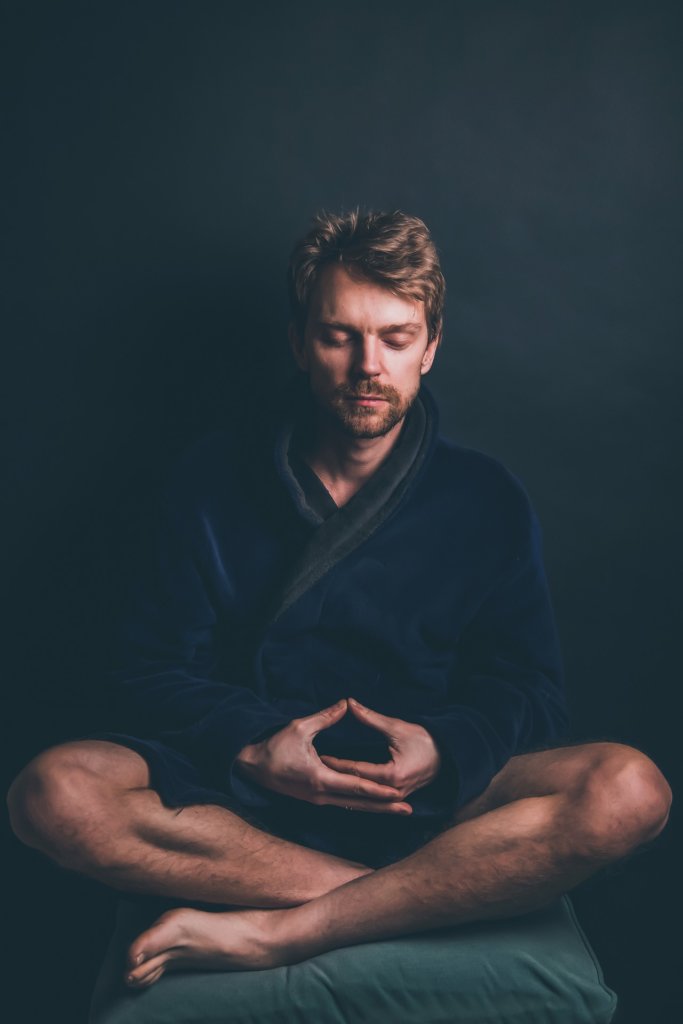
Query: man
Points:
[345, 660]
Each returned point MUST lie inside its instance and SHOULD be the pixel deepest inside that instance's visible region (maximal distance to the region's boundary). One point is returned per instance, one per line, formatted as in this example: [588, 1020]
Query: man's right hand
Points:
[287, 762]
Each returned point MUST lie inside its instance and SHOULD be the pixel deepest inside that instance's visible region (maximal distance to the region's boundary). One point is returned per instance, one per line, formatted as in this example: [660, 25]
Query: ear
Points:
[298, 348]
[430, 353]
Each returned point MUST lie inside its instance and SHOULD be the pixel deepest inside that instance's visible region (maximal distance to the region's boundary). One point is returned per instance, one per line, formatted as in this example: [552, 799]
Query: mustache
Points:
[344, 391]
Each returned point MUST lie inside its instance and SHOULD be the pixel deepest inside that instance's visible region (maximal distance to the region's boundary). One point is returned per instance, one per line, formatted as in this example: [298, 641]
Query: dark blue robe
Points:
[424, 597]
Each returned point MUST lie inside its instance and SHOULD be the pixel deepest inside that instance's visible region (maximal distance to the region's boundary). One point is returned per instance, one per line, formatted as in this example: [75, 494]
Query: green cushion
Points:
[535, 969]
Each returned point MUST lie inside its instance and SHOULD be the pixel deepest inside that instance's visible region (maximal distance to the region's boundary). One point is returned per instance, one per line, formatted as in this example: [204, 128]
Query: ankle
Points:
[294, 934]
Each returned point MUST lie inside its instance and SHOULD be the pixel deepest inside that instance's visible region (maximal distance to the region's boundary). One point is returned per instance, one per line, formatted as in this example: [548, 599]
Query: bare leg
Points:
[88, 806]
[548, 821]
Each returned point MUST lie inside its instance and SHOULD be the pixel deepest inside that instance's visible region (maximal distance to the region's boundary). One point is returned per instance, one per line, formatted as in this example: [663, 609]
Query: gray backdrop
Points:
[161, 159]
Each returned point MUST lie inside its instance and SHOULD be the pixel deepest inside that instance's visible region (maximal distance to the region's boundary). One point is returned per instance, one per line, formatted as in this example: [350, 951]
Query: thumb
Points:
[325, 718]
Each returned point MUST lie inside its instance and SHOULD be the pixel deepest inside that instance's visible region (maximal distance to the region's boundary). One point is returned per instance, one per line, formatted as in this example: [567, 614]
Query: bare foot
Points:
[206, 941]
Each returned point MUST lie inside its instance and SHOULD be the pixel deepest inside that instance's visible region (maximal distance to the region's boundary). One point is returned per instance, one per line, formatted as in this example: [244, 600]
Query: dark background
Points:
[162, 158]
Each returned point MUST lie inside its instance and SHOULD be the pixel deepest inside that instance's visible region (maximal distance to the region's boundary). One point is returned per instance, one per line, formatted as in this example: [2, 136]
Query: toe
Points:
[148, 972]
[138, 952]
[164, 933]
[152, 978]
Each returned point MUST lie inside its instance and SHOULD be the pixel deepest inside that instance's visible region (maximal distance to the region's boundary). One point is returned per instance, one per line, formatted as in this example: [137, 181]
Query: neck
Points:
[345, 463]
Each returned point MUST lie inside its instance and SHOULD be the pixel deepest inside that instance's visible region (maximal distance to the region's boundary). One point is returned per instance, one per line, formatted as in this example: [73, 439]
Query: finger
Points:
[366, 769]
[374, 719]
[338, 782]
[371, 806]
[313, 724]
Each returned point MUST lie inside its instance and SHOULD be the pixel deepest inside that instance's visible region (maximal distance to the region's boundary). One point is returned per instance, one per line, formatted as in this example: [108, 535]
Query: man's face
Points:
[365, 350]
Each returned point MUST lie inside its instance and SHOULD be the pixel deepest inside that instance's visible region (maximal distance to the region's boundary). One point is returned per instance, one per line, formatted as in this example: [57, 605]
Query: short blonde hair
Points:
[391, 249]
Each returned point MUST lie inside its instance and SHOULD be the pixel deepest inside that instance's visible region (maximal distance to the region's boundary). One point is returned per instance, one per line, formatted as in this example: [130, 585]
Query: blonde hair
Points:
[391, 249]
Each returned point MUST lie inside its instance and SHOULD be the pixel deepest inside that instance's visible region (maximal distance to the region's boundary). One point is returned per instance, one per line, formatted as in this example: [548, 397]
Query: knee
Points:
[52, 802]
[625, 800]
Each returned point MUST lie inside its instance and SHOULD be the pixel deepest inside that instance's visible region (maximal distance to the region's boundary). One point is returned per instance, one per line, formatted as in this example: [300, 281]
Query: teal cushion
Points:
[535, 969]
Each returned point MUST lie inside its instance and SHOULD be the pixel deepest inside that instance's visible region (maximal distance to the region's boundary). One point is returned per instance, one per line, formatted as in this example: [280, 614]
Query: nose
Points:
[367, 356]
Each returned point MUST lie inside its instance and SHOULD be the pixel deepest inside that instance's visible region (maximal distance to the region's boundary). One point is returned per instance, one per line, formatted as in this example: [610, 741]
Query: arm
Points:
[506, 696]
[167, 678]
[507, 692]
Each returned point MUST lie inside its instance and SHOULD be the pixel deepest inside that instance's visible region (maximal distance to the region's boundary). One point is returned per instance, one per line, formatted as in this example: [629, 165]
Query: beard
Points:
[364, 421]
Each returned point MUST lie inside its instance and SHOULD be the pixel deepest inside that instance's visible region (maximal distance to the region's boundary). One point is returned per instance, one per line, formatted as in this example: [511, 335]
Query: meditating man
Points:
[341, 665]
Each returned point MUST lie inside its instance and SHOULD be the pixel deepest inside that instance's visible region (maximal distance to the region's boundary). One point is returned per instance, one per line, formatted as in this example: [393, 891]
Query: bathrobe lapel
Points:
[347, 528]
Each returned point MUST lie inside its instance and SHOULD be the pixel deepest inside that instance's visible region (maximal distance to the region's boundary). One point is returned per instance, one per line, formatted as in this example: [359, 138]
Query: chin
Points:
[366, 426]
[365, 433]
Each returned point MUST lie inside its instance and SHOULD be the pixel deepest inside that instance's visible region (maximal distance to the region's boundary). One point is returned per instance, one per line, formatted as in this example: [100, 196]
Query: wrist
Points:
[435, 759]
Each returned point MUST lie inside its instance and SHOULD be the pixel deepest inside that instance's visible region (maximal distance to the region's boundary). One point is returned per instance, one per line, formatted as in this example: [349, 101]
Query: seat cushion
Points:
[534, 969]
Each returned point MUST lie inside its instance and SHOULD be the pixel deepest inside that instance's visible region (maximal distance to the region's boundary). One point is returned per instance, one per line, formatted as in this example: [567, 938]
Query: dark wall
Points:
[163, 156]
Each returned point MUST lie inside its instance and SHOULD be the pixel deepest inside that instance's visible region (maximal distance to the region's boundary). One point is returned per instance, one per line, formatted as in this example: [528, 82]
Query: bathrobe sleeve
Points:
[168, 680]
[507, 690]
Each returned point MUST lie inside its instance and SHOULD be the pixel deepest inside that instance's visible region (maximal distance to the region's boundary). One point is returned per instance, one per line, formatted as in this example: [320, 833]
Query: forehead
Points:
[343, 298]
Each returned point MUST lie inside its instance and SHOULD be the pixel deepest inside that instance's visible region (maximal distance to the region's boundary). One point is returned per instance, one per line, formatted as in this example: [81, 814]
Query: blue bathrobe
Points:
[424, 597]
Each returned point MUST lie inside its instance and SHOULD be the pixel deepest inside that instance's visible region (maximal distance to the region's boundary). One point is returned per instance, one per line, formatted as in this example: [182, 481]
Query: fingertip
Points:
[404, 809]
[333, 709]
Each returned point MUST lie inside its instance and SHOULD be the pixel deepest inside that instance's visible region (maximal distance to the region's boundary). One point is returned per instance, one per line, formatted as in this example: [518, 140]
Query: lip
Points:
[366, 399]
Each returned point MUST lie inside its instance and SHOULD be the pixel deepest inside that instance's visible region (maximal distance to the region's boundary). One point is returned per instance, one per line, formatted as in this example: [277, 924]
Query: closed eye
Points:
[335, 340]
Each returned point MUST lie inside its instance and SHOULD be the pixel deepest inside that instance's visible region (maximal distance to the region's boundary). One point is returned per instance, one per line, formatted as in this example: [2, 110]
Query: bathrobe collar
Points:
[341, 533]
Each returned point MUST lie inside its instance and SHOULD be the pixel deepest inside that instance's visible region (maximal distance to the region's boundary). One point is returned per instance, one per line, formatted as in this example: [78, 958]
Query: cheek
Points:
[410, 374]
[330, 365]
[324, 376]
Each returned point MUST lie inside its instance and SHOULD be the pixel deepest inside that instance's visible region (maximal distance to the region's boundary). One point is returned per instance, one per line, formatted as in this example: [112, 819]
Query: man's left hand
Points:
[414, 757]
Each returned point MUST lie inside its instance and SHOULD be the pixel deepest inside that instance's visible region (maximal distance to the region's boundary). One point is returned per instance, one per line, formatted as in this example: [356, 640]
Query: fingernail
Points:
[139, 958]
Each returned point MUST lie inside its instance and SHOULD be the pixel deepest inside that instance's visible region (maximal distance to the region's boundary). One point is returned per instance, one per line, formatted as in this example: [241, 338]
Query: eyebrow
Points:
[409, 328]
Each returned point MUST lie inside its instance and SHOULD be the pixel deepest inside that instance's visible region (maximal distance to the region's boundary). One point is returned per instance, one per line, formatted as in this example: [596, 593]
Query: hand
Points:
[287, 762]
[415, 759]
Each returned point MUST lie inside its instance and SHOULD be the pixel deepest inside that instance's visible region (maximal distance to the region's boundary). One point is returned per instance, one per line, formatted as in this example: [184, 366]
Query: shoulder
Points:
[466, 469]
[478, 488]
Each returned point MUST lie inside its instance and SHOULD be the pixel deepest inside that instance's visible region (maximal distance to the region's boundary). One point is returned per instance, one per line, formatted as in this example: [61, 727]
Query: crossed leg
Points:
[547, 821]
[89, 807]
